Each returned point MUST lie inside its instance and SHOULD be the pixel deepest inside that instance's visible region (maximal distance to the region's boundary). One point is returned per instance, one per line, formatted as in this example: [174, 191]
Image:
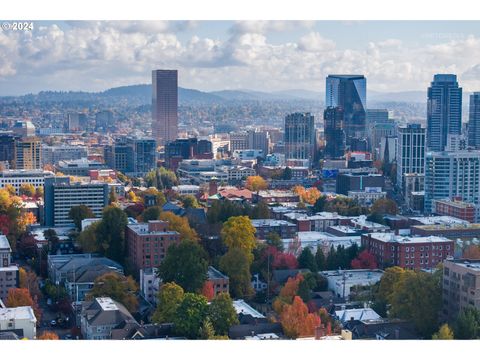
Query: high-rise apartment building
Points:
[131, 156]
[7, 148]
[349, 93]
[299, 136]
[444, 110]
[451, 174]
[474, 121]
[164, 105]
[410, 152]
[61, 195]
[28, 153]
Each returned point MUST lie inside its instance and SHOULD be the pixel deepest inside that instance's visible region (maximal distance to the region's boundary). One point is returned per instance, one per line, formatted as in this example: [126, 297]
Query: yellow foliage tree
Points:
[179, 224]
[444, 333]
[256, 183]
[238, 232]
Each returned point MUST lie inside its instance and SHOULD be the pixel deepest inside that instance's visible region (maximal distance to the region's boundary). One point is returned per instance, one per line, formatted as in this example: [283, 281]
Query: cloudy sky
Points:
[257, 55]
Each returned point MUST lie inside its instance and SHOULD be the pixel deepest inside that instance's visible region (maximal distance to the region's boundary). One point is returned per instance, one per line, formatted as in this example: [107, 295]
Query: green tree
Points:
[118, 287]
[151, 213]
[236, 264]
[306, 260]
[320, 259]
[444, 333]
[260, 211]
[207, 332]
[319, 205]
[238, 232]
[273, 239]
[222, 314]
[112, 196]
[417, 296]
[384, 206]
[467, 325]
[190, 315]
[170, 296]
[110, 233]
[185, 264]
[161, 179]
[287, 174]
[88, 239]
[79, 213]
[190, 201]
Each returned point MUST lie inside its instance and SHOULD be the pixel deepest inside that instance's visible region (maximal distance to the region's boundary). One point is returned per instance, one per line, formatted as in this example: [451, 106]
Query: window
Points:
[421, 248]
[448, 247]
[407, 249]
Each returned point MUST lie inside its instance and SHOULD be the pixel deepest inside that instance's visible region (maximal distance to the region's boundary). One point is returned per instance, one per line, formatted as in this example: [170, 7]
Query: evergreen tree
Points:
[306, 260]
[320, 259]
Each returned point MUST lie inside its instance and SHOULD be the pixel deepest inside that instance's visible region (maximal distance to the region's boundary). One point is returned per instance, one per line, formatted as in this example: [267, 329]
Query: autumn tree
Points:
[170, 296]
[222, 314]
[190, 315]
[444, 333]
[287, 293]
[365, 260]
[11, 189]
[21, 297]
[256, 183]
[309, 196]
[384, 207]
[238, 232]
[185, 264]
[179, 224]
[297, 321]
[207, 290]
[79, 213]
[118, 287]
[236, 265]
[28, 280]
[47, 335]
[27, 190]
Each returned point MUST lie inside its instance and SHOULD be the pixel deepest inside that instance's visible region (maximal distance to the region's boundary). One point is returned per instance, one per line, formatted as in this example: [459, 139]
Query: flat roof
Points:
[431, 220]
[107, 304]
[391, 237]
[470, 264]
[17, 313]
[270, 222]
[142, 229]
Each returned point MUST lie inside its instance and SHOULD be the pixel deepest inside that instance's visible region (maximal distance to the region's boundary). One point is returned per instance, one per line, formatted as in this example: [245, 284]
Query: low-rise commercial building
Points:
[19, 320]
[18, 177]
[343, 282]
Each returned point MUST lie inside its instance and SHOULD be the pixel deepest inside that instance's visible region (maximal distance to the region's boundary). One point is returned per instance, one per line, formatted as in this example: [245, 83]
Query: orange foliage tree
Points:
[287, 293]
[297, 321]
[22, 297]
[309, 196]
[48, 335]
[256, 183]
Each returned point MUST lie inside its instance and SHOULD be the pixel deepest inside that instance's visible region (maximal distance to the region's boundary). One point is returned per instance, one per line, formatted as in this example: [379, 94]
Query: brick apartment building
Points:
[456, 208]
[412, 253]
[461, 286]
[148, 243]
[263, 227]
[219, 281]
[453, 231]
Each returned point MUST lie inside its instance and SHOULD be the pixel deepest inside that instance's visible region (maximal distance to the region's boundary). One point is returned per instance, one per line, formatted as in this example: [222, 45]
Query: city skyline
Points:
[256, 55]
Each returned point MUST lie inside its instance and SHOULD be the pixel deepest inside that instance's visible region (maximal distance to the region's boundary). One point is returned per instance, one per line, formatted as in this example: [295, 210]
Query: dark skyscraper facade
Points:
[474, 121]
[349, 93]
[299, 136]
[334, 133]
[164, 105]
[444, 110]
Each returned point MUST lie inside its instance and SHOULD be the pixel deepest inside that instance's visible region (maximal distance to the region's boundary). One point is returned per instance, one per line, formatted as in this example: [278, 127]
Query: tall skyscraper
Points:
[474, 121]
[378, 126]
[444, 110]
[410, 152]
[28, 153]
[299, 136]
[452, 173]
[349, 92]
[164, 105]
[334, 132]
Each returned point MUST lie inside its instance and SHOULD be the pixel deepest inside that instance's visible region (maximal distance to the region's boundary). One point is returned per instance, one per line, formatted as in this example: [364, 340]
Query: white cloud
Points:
[98, 55]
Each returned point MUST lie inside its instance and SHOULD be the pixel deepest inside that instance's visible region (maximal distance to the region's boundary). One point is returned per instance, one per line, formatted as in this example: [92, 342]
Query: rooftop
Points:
[391, 237]
[436, 220]
[107, 304]
[357, 314]
[271, 222]
[241, 307]
[4, 243]
[142, 229]
[17, 313]
[471, 264]
[215, 274]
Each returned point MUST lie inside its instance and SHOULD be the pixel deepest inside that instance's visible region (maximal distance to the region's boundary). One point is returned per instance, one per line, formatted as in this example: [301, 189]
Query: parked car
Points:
[53, 323]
